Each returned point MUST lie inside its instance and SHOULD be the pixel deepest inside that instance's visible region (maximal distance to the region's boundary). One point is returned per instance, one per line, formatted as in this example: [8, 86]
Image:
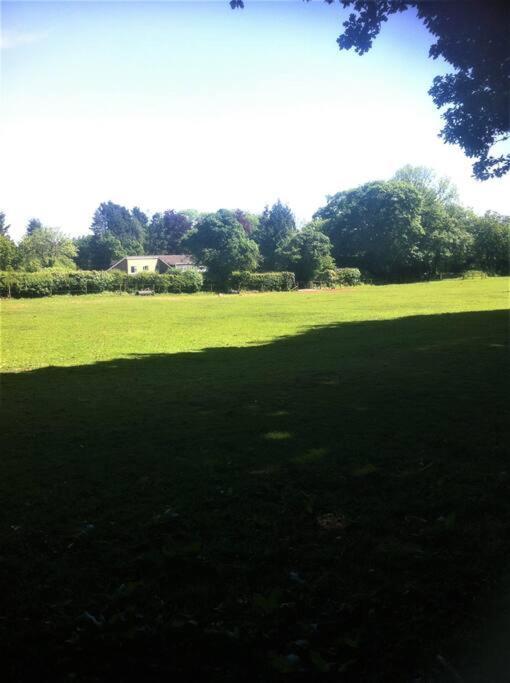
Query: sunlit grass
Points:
[66, 330]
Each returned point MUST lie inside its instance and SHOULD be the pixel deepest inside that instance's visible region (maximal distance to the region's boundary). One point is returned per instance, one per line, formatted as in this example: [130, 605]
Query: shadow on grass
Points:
[331, 501]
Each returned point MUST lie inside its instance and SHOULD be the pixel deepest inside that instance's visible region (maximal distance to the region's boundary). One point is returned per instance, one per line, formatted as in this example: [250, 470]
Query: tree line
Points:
[409, 227]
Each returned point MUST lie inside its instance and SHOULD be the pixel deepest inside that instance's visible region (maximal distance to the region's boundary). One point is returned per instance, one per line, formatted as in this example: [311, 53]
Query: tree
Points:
[376, 227]
[249, 221]
[140, 216]
[426, 181]
[473, 38]
[447, 242]
[306, 253]
[33, 225]
[47, 248]
[8, 252]
[275, 225]
[165, 232]
[4, 228]
[492, 243]
[219, 242]
[98, 253]
[127, 226]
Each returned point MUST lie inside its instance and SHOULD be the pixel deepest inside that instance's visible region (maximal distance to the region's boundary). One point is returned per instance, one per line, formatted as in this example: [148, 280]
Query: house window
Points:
[146, 267]
[133, 269]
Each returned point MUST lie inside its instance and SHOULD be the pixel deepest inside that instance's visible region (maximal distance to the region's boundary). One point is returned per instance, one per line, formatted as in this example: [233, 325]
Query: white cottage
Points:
[159, 264]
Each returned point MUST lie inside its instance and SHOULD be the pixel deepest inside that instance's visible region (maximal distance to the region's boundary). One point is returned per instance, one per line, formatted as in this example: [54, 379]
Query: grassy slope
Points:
[330, 468]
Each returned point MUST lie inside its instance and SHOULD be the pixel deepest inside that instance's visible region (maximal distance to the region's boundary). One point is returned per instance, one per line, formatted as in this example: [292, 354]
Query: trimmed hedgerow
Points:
[28, 285]
[348, 277]
[473, 274]
[175, 282]
[263, 282]
[48, 282]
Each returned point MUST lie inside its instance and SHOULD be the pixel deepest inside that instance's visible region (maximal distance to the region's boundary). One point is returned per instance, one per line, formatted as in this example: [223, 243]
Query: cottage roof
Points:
[174, 259]
[167, 259]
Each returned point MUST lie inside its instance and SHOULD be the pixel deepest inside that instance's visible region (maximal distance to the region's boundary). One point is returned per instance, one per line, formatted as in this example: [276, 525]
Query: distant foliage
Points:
[411, 227]
[264, 282]
[275, 226]
[376, 227]
[46, 248]
[219, 242]
[8, 253]
[4, 226]
[307, 253]
[425, 179]
[491, 248]
[33, 225]
[249, 221]
[48, 282]
[128, 227]
[98, 252]
[166, 231]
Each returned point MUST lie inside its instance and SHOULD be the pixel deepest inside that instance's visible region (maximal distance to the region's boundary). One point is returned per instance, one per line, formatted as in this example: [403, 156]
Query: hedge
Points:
[263, 282]
[48, 282]
[348, 277]
[472, 274]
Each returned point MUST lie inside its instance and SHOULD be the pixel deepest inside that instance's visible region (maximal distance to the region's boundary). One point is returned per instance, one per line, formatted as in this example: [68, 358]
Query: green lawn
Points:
[221, 485]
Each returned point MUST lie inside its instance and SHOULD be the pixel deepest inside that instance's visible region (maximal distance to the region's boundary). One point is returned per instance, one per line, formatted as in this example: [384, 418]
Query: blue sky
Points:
[193, 105]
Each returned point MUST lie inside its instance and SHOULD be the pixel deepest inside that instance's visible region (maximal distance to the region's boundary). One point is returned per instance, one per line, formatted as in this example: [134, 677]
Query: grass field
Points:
[272, 482]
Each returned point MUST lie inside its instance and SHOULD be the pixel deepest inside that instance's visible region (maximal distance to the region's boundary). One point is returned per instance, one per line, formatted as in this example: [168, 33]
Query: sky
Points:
[189, 104]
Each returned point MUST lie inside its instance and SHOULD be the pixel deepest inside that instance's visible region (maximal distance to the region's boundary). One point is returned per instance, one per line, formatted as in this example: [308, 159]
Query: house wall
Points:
[139, 264]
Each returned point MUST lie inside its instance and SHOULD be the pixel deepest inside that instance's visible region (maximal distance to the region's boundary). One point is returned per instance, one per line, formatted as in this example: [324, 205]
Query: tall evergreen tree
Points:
[117, 221]
[4, 227]
[33, 225]
[275, 226]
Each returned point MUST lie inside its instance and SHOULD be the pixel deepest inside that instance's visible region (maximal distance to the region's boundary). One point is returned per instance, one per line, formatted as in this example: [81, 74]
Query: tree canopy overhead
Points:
[472, 36]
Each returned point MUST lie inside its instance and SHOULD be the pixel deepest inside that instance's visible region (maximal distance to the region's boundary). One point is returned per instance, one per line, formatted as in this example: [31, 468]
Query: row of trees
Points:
[411, 226]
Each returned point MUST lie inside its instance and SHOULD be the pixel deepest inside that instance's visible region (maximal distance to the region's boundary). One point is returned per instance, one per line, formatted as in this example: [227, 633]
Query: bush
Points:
[175, 282]
[263, 282]
[48, 282]
[185, 281]
[348, 277]
[28, 285]
[327, 277]
[472, 274]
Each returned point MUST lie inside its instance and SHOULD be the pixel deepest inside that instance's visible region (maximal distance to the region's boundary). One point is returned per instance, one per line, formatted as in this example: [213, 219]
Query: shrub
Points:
[327, 277]
[51, 281]
[348, 277]
[30, 285]
[185, 281]
[142, 280]
[472, 274]
[263, 282]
